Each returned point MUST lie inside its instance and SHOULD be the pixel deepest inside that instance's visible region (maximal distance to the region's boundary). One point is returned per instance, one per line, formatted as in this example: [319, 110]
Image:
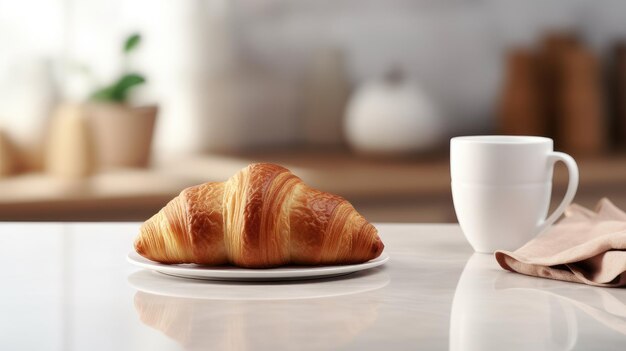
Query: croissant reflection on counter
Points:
[264, 216]
[199, 324]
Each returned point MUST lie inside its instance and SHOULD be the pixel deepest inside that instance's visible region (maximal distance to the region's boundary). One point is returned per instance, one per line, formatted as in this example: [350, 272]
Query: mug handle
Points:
[572, 169]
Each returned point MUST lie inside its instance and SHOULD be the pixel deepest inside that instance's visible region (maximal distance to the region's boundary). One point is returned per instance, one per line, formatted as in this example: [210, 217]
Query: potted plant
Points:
[122, 134]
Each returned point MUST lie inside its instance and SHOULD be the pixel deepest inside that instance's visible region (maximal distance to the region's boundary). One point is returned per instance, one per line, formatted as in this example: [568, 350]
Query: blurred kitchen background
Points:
[109, 108]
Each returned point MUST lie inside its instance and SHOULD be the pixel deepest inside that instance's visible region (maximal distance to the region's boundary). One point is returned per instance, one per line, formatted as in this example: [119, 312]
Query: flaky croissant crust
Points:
[263, 216]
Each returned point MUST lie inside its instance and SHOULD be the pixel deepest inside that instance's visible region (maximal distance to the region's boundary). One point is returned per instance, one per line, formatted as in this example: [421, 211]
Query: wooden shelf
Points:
[384, 190]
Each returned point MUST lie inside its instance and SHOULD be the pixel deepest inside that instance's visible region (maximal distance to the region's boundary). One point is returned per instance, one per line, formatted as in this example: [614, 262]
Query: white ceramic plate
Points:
[244, 274]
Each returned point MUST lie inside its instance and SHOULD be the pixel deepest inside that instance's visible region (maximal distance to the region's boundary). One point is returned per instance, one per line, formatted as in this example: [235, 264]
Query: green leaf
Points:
[118, 92]
[125, 84]
[129, 80]
[132, 42]
[103, 94]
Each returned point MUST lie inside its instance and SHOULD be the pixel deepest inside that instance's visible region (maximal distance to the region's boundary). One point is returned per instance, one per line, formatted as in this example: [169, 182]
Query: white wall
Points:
[453, 47]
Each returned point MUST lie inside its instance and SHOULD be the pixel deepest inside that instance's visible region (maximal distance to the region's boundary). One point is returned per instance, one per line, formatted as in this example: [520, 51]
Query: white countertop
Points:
[68, 287]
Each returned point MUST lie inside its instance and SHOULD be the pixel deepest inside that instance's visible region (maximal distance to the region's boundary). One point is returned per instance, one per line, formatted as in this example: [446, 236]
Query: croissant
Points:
[264, 216]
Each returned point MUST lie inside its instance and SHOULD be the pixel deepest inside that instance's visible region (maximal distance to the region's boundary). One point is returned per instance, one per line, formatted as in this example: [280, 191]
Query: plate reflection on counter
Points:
[317, 314]
[496, 309]
[354, 283]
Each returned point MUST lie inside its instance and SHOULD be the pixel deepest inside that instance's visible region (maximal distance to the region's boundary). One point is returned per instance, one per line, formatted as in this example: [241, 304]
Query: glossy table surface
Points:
[68, 287]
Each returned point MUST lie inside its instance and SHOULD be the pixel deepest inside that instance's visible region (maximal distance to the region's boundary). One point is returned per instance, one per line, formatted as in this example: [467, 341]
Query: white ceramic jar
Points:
[392, 116]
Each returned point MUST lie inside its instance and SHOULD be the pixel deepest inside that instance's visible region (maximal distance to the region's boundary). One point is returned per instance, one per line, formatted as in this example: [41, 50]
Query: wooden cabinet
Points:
[404, 190]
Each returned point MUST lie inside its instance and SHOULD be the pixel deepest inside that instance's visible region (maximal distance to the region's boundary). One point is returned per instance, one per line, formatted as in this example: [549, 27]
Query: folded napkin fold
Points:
[584, 247]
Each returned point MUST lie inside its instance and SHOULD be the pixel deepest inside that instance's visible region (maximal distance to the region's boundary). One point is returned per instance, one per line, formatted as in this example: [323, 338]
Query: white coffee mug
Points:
[501, 187]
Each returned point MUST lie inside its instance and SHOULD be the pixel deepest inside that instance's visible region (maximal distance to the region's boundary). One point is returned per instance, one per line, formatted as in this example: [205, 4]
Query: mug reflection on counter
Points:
[246, 324]
[486, 318]
[601, 305]
[487, 299]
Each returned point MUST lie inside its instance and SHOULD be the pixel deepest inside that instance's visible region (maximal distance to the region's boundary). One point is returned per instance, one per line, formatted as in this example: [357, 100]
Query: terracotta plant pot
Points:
[122, 135]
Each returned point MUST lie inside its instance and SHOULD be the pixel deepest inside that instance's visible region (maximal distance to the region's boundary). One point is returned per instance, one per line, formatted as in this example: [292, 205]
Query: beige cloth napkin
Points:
[584, 247]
